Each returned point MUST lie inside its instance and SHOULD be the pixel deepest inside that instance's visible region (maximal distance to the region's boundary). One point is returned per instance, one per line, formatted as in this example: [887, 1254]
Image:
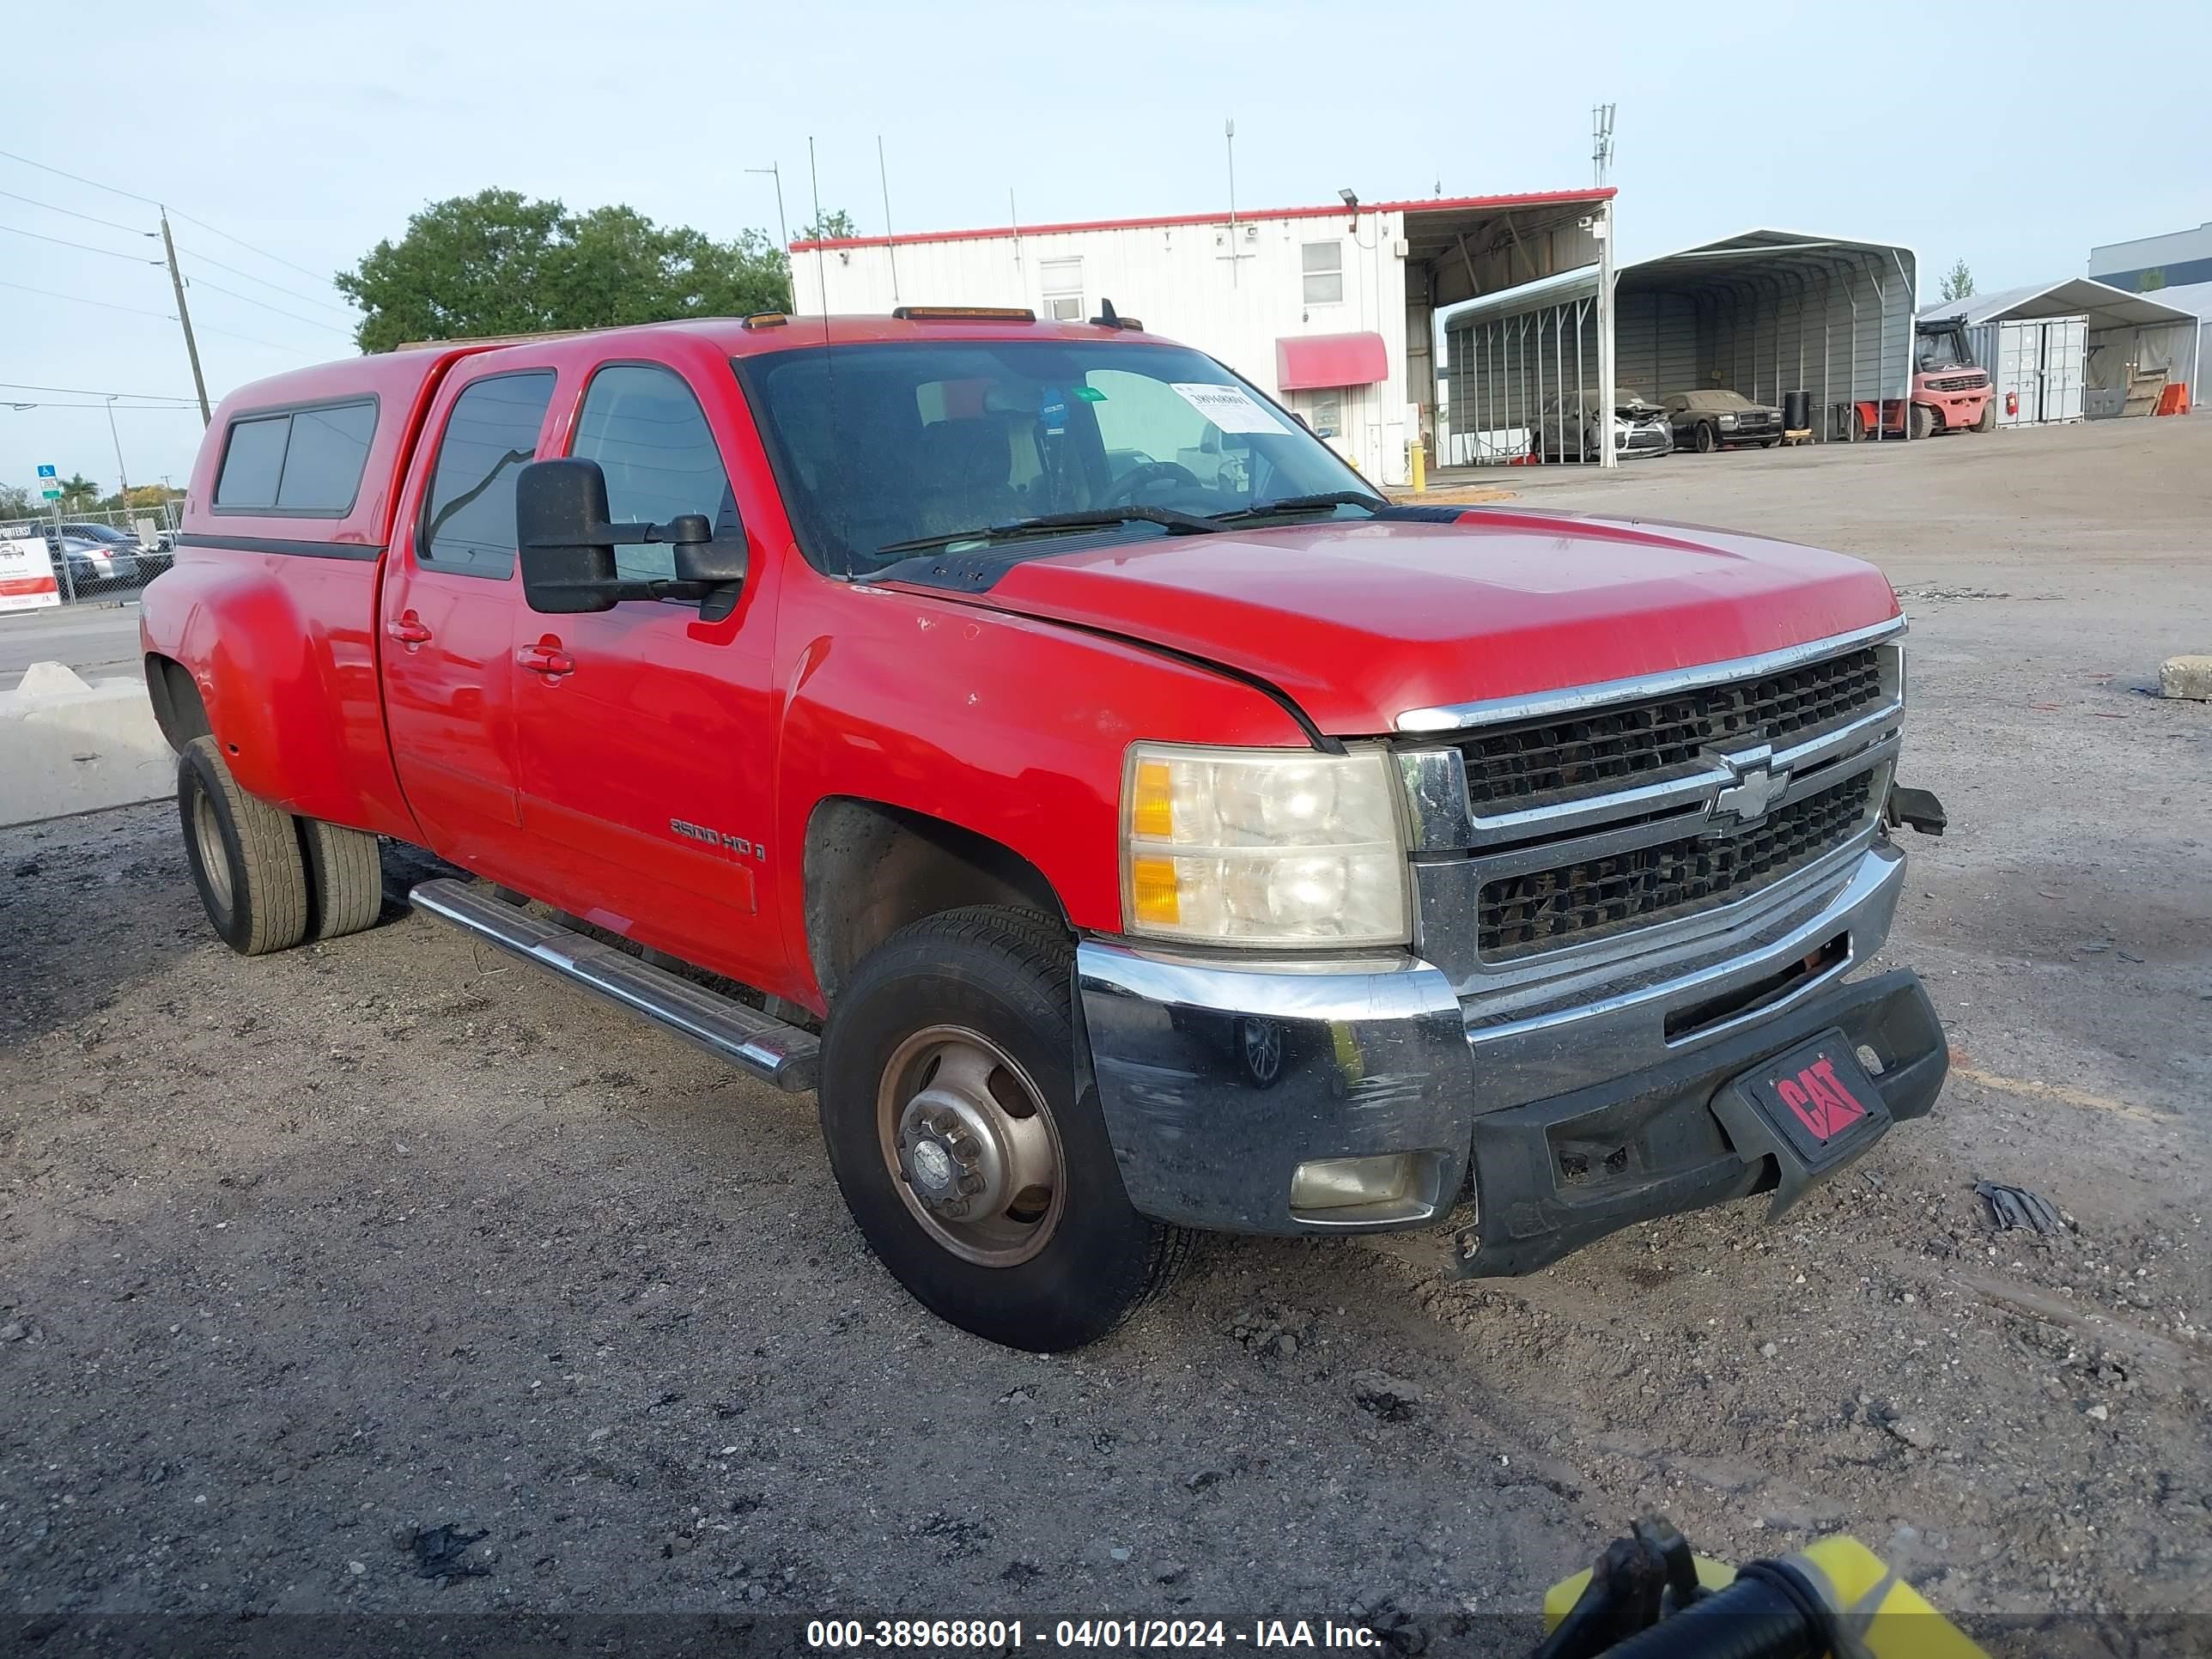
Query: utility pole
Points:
[1602, 230]
[184, 316]
[122, 478]
[890, 243]
[1228, 136]
[773, 170]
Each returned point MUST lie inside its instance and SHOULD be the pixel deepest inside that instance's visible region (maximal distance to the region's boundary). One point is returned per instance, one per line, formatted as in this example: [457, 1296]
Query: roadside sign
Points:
[46, 470]
[51, 495]
[49, 483]
[26, 574]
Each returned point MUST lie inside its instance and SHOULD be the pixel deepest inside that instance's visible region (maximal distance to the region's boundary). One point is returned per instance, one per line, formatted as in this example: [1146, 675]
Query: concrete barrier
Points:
[68, 746]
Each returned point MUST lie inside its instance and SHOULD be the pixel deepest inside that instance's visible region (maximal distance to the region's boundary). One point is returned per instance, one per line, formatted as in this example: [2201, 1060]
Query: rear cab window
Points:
[305, 462]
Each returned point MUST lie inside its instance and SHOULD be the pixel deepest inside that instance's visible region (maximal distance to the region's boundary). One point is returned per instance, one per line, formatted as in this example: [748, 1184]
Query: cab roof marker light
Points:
[766, 319]
[965, 314]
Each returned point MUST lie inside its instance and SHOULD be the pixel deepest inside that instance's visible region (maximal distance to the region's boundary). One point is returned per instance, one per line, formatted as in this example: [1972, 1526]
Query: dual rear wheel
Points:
[267, 880]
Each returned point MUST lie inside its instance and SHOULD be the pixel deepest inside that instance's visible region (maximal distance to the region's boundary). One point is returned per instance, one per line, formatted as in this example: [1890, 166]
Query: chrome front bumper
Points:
[1219, 1077]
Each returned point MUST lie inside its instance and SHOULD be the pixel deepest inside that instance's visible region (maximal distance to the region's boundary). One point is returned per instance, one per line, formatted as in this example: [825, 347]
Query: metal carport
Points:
[1763, 312]
[2128, 333]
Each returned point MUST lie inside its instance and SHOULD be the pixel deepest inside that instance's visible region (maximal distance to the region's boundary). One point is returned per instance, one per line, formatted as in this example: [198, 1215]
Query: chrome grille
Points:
[1535, 762]
[1588, 898]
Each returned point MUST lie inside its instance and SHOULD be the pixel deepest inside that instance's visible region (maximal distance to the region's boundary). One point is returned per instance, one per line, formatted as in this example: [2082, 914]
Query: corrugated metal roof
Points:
[1714, 262]
[2105, 306]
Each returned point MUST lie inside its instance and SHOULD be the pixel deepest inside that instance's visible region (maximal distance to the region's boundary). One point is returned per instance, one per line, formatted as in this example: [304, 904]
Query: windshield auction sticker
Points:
[1229, 407]
[26, 574]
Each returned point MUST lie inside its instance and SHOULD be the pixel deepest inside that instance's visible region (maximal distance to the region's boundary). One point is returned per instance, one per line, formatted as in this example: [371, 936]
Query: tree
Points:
[78, 493]
[16, 502]
[834, 225]
[497, 263]
[2150, 281]
[1958, 281]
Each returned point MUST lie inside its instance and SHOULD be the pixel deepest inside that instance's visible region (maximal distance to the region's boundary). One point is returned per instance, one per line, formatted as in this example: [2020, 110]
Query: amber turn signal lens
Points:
[1153, 889]
[1153, 814]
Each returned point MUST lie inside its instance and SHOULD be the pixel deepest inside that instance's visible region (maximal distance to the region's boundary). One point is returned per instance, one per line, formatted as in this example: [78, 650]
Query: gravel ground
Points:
[303, 1258]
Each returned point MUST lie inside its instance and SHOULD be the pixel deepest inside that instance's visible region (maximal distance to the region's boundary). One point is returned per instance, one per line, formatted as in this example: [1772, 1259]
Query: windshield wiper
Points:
[1176, 524]
[1302, 504]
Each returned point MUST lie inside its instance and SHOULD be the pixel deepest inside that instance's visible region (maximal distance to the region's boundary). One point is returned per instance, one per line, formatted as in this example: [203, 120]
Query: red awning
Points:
[1303, 361]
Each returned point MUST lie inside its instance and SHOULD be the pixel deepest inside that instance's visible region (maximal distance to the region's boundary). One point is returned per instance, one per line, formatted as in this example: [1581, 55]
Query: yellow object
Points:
[1417, 458]
[1152, 886]
[1888, 1618]
[1152, 813]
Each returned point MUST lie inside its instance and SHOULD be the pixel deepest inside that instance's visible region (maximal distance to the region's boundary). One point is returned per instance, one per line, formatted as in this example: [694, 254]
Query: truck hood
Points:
[1359, 623]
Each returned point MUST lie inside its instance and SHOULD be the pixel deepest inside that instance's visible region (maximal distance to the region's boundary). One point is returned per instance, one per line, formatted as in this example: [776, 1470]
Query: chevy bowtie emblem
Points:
[1758, 785]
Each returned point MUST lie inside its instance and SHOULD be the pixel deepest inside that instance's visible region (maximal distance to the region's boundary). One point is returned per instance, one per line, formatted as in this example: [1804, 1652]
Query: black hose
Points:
[1755, 1617]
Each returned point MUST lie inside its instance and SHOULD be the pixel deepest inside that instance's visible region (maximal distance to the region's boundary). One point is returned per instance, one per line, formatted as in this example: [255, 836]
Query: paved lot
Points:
[98, 640]
[300, 1255]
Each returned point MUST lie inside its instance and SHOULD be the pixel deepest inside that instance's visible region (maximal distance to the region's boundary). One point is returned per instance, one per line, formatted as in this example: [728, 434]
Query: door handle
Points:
[409, 629]
[545, 657]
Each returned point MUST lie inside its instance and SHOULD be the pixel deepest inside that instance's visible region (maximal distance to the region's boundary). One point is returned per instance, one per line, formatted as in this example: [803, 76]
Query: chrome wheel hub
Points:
[966, 1134]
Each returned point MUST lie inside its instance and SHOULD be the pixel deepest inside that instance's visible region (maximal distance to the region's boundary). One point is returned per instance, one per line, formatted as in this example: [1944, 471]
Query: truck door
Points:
[451, 596]
[645, 734]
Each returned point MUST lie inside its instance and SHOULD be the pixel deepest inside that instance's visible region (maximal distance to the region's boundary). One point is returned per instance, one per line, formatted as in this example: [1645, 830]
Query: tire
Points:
[345, 879]
[1922, 419]
[1987, 420]
[983, 993]
[244, 856]
[1858, 426]
[1770, 443]
[1708, 440]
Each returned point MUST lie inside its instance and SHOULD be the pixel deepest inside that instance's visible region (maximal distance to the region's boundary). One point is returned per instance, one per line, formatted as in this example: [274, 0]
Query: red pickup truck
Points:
[1031, 739]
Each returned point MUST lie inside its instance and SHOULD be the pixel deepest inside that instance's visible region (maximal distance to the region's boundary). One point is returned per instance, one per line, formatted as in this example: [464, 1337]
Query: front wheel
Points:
[1924, 421]
[1987, 420]
[1708, 439]
[978, 1175]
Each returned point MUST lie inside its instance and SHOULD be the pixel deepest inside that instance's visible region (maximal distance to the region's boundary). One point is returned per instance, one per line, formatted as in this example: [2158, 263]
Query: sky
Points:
[297, 133]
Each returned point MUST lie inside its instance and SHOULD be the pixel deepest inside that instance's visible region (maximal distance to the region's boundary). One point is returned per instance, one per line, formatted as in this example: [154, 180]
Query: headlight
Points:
[1728, 420]
[1262, 847]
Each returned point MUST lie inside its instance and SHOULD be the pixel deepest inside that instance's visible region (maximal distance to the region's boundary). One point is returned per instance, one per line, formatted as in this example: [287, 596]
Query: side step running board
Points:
[749, 1039]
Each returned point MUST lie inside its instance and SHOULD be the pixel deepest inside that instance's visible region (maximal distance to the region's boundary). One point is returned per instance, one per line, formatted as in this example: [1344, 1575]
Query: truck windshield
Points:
[879, 445]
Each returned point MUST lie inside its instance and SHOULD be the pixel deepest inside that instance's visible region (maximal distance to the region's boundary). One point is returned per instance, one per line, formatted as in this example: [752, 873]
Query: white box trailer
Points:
[2035, 366]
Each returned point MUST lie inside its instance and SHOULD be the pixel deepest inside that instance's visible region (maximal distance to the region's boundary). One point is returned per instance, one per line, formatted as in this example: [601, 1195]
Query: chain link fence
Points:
[104, 555]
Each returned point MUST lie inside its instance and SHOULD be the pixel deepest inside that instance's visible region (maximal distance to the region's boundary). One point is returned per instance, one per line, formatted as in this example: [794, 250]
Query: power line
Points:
[95, 391]
[316, 275]
[133, 196]
[311, 322]
[73, 213]
[264, 281]
[135, 259]
[78, 299]
[252, 339]
[128, 408]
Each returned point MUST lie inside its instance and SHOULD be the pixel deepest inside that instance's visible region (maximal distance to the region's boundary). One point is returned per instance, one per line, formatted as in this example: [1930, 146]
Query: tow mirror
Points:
[567, 547]
[562, 537]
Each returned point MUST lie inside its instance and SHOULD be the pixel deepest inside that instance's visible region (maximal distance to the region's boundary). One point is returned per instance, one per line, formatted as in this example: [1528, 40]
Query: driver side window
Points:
[642, 424]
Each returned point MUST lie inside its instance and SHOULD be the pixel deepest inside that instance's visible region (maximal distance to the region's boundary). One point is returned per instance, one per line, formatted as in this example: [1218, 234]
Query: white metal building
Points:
[1760, 314]
[1329, 308]
[2028, 338]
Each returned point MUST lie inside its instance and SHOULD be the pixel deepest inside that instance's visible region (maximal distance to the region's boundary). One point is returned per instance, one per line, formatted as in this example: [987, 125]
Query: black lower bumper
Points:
[1557, 1174]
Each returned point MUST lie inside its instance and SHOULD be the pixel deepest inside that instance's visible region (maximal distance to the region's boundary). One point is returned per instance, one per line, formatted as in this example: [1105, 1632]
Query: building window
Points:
[1063, 290]
[1326, 414]
[1324, 273]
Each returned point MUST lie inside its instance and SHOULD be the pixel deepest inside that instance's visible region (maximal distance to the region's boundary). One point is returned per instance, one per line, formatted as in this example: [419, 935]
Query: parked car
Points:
[93, 563]
[1706, 420]
[1567, 429]
[1113, 854]
[145, 562]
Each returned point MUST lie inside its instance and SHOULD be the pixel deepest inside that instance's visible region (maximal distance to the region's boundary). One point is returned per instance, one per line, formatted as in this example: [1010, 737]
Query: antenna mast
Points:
[1601, 142]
